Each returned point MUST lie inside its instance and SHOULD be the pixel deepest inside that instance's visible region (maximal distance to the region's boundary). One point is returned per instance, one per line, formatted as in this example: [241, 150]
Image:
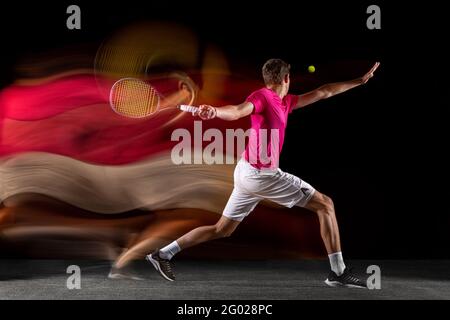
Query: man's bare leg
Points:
[323, 206]
[223, 228]
[160, 259]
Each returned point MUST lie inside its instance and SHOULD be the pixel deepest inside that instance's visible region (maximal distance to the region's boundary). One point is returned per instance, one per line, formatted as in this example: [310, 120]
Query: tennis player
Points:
[258, 177]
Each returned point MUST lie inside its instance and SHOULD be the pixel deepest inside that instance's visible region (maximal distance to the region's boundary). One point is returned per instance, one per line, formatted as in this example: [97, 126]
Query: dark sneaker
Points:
[161, 265]
[347, 279]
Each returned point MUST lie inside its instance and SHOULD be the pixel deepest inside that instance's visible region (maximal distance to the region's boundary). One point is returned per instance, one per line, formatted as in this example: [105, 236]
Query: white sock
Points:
[169, 251]
[337, 263]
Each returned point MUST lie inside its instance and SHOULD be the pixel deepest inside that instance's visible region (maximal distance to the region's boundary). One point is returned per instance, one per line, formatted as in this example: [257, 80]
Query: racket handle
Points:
[187, 108]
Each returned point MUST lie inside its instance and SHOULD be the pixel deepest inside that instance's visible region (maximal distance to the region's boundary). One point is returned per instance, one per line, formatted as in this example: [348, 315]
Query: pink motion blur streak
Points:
[73, 170]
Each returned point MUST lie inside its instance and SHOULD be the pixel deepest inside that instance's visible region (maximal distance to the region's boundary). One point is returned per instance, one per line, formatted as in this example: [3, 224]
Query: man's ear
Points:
[286, 78]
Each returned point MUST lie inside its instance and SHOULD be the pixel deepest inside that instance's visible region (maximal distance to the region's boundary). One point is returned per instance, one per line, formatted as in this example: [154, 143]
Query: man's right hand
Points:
[206, 112]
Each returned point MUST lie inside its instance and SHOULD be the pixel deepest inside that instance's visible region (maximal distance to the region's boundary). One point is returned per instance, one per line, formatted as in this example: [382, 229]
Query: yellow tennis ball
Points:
[311, 69]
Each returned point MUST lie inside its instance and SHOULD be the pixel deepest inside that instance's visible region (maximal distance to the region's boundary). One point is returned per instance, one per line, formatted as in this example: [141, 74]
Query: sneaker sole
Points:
[337, 284]
[155, 264]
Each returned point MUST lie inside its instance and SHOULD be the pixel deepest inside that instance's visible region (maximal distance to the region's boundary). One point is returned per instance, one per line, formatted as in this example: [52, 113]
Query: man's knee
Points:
[327, 205]
[225, 227]
[321, 204]
[223, 231]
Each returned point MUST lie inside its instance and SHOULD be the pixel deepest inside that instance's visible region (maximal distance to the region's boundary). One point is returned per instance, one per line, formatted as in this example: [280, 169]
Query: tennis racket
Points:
[134, 98]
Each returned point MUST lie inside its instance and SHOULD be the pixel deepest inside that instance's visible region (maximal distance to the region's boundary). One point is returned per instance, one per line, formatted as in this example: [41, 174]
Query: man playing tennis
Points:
[258, 177]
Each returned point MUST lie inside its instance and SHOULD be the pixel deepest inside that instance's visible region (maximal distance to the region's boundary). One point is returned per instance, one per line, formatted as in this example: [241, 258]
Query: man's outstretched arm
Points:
[331, 89]
[229, 113]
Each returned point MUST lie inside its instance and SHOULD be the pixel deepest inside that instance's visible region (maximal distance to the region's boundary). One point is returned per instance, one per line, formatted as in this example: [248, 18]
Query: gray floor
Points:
[46, 279]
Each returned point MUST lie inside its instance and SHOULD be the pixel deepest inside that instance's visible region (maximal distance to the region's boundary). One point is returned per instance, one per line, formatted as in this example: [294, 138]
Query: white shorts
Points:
[252, 185]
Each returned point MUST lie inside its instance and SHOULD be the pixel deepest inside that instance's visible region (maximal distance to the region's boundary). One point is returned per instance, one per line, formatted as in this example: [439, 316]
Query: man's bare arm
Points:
[331, 89]
[228, 113]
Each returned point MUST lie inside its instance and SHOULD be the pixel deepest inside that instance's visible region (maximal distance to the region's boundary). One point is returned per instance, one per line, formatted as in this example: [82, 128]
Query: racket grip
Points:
[187, 108]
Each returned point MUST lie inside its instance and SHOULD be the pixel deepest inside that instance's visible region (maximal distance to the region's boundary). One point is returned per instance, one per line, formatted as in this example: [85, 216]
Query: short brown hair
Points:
[274, 71]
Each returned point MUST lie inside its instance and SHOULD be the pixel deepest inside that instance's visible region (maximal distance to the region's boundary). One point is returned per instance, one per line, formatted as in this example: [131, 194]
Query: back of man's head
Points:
[274, 71]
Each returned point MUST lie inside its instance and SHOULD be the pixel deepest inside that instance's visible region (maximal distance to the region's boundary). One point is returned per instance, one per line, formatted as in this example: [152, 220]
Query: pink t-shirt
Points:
[268, 125]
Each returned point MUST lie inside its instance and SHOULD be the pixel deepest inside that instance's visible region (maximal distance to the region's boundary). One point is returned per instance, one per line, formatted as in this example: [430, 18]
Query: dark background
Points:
[379, 151]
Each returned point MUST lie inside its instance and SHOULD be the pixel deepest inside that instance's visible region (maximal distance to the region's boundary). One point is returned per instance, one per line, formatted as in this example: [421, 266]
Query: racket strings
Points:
[134, 98]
